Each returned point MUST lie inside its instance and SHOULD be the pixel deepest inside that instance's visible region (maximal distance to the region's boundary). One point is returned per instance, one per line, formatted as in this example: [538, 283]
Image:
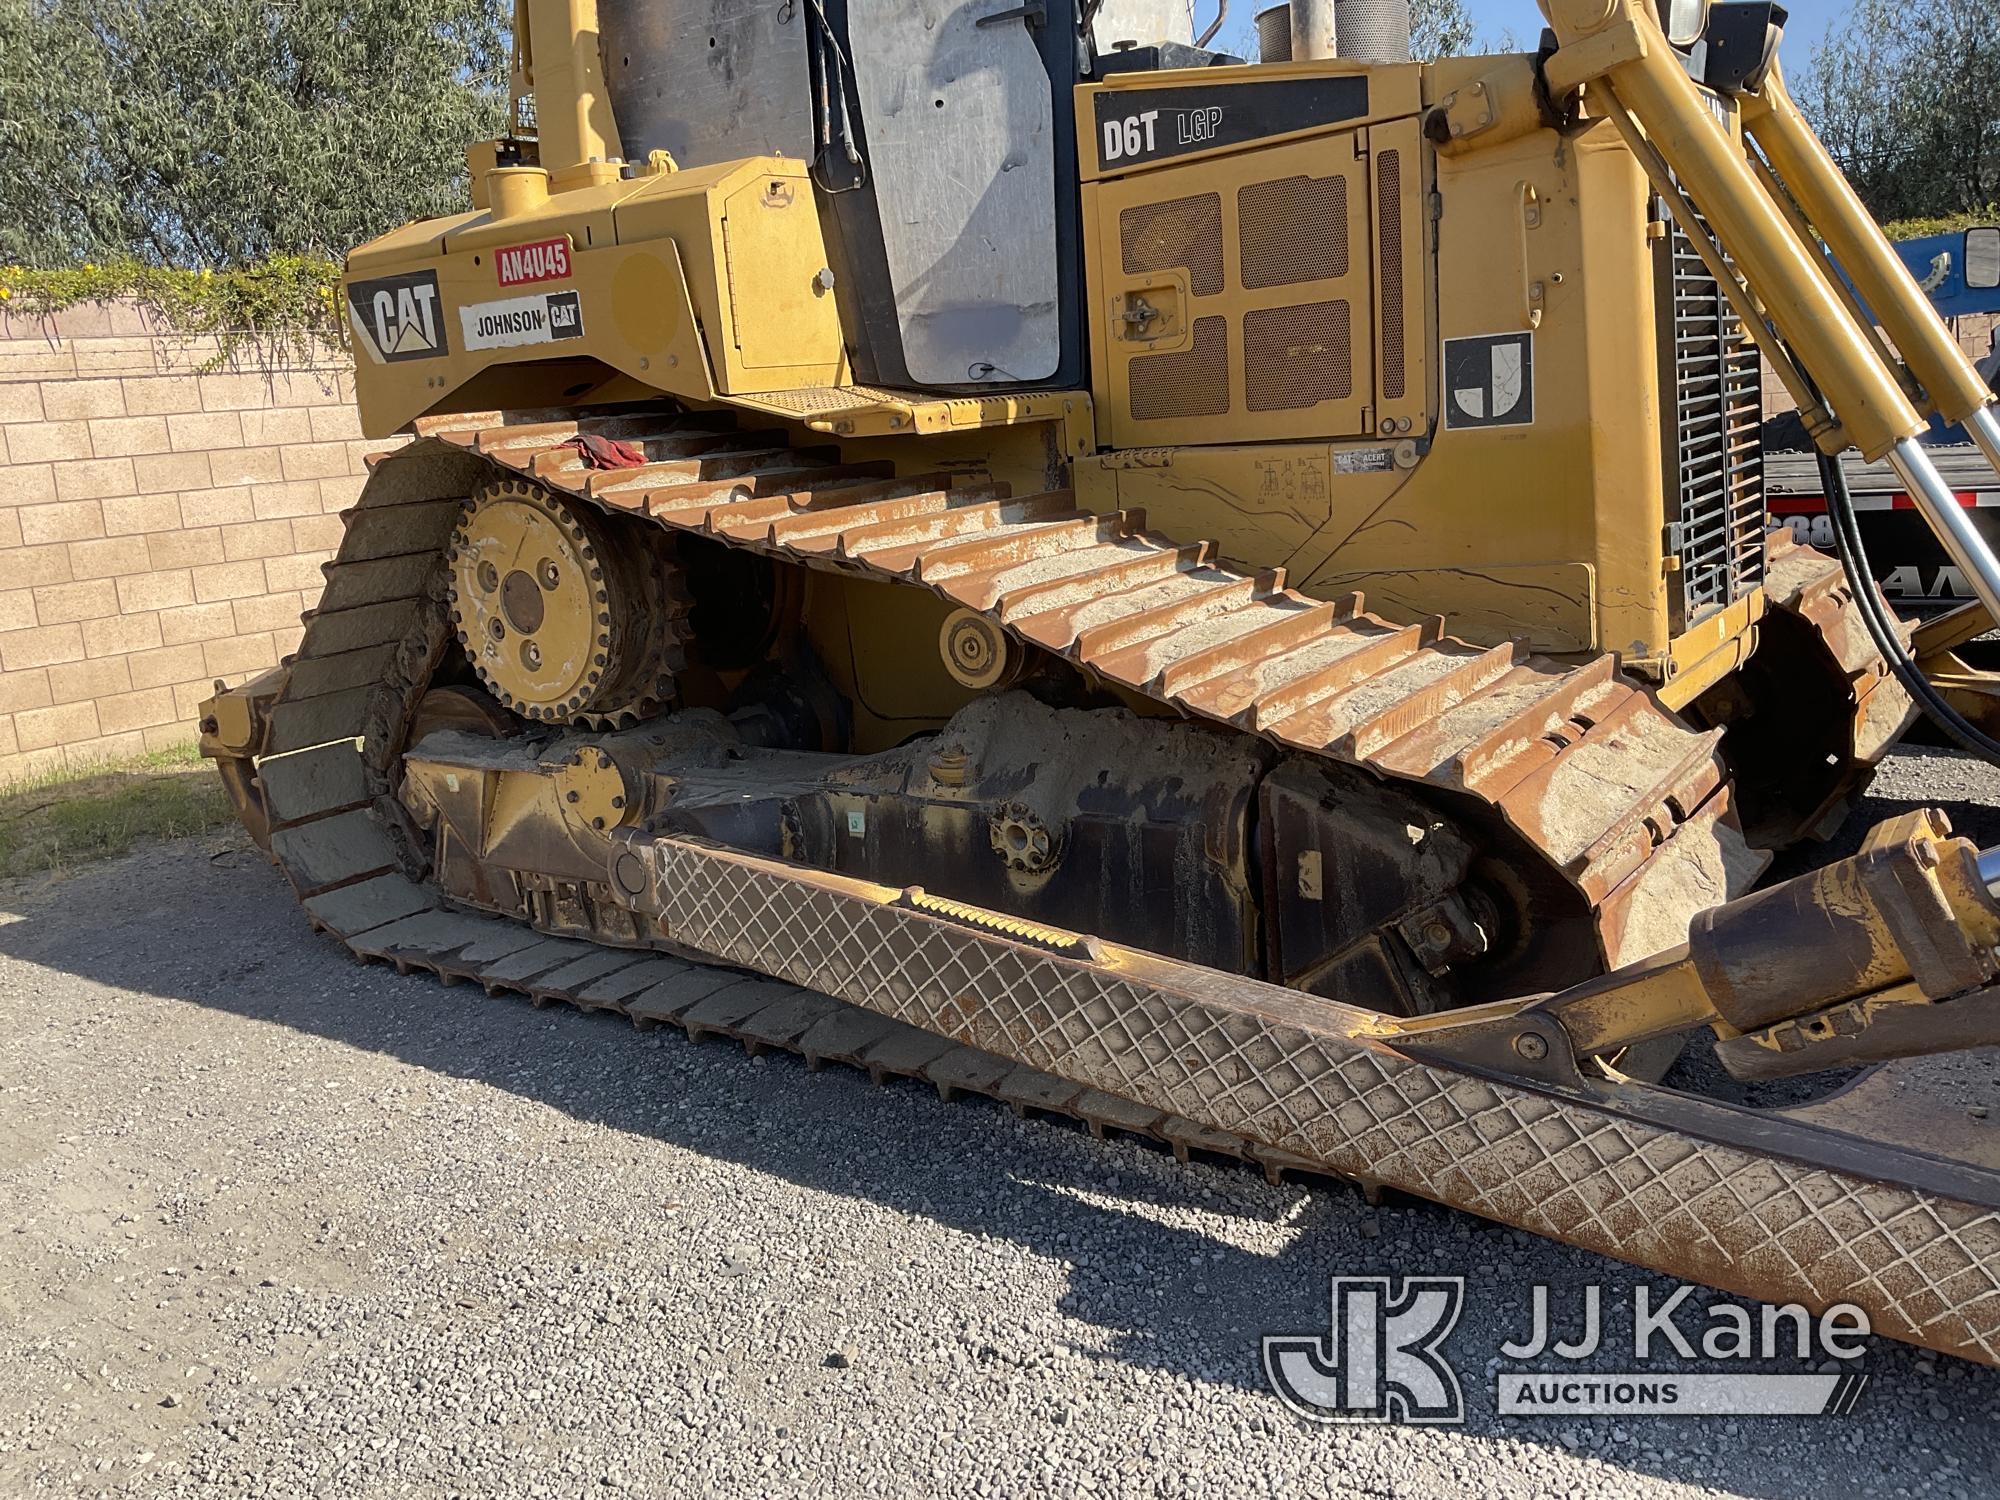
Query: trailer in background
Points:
[1912, 568]
[1960, 272]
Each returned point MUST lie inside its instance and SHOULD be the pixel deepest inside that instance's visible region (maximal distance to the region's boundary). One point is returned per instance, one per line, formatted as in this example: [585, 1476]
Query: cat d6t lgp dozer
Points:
[1227, 601]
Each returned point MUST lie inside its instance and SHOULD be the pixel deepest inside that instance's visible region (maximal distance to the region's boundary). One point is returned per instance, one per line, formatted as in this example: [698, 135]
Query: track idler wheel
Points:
[566, 617]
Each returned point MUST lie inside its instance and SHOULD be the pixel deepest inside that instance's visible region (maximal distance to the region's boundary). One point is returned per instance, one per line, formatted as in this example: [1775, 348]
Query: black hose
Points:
[1881, 629]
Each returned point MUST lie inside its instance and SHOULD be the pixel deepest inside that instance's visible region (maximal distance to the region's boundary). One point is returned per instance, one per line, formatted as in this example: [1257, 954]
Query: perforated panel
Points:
[1389, 268]
[1235, 298]
[1191, 383]
[1180, 232]
[1292, 229]
[1298, 356]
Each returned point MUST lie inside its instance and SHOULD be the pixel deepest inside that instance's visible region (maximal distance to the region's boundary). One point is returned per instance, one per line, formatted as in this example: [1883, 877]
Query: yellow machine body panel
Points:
[1319, 288]
[1254, 292]
[607, 292]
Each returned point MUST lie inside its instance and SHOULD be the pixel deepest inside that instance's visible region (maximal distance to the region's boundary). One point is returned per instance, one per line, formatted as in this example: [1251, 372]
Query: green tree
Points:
[1440, 28]
[220, 132]
[1906, 95]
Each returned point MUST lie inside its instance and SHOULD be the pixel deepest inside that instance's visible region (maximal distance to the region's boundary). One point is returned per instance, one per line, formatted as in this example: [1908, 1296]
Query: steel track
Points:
[1579, 763]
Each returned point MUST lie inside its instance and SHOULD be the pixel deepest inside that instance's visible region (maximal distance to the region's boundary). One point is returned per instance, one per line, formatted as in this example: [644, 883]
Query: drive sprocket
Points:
[564, 621]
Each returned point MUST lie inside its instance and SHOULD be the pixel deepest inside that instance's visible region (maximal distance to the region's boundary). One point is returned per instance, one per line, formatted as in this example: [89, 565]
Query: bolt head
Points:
[1531, 1046]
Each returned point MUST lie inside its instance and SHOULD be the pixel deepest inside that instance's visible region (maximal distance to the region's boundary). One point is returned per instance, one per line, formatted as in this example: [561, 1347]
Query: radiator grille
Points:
[1714, 451]
[1389, 210]
[1297, 356]
[1191, 383]
[1179, 232]
[1292, 229]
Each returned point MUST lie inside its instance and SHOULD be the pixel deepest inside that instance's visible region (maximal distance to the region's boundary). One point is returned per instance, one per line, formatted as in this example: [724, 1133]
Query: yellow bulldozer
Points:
[1228, 600]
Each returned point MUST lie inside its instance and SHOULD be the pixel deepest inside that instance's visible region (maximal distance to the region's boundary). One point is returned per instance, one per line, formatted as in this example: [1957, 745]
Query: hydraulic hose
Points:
[1881, 630]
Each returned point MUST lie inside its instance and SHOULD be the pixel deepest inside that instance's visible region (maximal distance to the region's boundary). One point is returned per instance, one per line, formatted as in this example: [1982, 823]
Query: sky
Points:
[1495, 18]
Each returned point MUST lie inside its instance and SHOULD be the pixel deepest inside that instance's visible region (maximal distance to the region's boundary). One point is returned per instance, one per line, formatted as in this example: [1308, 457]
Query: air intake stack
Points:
[1274, 34]
[1373, 31]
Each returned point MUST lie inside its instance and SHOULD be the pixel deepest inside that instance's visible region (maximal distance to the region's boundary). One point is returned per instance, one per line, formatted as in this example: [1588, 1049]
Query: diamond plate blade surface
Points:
[1257, 1061]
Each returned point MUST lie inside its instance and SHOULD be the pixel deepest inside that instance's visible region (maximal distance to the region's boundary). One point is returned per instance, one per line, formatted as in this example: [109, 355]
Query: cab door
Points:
[961, 156]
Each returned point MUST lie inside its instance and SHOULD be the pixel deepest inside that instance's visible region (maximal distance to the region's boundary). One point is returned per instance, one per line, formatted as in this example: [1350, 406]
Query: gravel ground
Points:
[276, 1224]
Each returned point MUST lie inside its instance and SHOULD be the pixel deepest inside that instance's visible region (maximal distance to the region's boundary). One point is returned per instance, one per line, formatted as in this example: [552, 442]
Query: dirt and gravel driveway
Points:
[275, 1224]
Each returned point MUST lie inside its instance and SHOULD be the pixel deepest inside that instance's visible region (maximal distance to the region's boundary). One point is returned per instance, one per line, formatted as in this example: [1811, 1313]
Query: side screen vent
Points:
[1292, 229]
[1192, 383]
[1389, 268]
[1180, 232]
[1713, 406]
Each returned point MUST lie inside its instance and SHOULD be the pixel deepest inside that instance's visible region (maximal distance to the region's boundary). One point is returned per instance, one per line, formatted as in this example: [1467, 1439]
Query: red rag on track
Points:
[605, 453]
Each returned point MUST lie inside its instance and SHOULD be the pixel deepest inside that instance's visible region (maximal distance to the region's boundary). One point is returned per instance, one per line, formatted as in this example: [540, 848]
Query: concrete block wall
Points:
[162, 525]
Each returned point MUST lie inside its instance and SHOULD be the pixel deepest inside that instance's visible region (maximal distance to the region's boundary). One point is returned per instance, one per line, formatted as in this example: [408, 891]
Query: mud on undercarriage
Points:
[1160, 835]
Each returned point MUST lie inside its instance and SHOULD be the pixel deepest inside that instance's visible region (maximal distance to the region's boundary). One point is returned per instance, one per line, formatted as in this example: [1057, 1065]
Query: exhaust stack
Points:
[1313, 30]
[1369, 31]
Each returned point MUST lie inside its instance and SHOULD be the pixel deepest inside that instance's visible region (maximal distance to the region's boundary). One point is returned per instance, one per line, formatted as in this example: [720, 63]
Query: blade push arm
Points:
[1890, 953]
[1847, 388]
[1951, 386]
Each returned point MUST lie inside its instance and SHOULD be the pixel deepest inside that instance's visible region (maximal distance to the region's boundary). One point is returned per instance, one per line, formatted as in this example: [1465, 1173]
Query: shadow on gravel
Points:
[1149, 1243]
[1966, 790]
